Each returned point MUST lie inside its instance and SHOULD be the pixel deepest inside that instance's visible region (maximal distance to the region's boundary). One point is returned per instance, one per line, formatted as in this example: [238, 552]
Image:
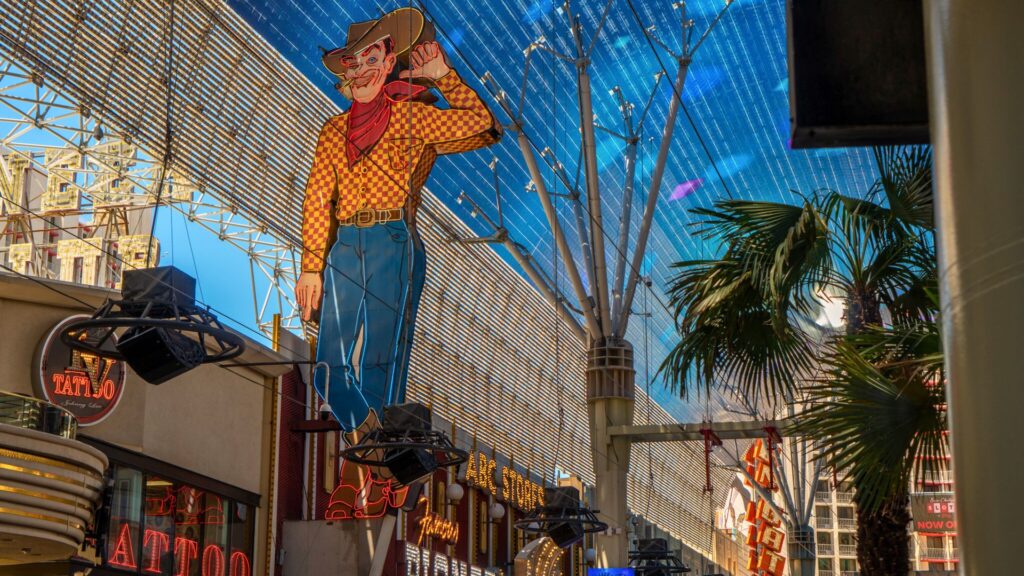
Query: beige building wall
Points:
[212, 421]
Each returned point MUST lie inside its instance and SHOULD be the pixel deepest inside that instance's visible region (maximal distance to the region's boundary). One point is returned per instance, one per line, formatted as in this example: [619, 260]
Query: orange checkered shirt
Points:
[393, 172]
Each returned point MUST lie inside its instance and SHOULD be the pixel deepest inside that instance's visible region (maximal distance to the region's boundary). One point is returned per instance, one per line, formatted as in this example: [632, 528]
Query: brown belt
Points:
[366, 217]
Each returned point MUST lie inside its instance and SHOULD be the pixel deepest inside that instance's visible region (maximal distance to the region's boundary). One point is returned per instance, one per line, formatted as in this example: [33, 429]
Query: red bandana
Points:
[367, 121]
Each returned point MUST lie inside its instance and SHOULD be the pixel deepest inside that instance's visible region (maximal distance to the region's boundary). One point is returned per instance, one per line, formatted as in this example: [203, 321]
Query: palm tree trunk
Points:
[862, 310]
[883, 545]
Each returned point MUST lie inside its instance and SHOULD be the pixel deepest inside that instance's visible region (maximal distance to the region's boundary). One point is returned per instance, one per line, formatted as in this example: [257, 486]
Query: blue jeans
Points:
[372, 284]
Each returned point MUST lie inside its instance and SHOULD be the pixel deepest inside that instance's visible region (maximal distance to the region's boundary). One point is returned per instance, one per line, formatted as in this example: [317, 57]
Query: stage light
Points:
[562, 518]
[653, 558]
[163, 333]
[406, 444]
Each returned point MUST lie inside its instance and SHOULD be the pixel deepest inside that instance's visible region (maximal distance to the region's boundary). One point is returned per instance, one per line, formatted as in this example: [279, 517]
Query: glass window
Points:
[847, 565]
[846, 539]
[158, 540]
[124, 534]
[824, 564]
[168, 528]
[824, 537]
[242, 526]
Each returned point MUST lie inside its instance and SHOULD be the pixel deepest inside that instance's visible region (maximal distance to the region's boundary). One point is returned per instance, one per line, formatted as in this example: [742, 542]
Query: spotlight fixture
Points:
[653, 558]
[406, 444]
[161, 331]
[562, 518]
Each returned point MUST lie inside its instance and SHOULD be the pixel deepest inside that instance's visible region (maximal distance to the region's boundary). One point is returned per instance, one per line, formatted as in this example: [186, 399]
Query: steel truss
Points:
[110, 187]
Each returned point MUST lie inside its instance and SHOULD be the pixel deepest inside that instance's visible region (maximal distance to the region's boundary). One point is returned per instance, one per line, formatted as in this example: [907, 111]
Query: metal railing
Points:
[825, 549]
[847, 550]
[847, 523]
[820, 496]
[929, 553]
[954, 554]
[826, 573]
[824, 521]
[849, 573]
[844, 497]
[35, 414]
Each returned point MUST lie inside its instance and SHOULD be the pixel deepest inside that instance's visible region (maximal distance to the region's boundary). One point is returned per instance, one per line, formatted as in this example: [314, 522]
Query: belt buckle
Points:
[365, 217]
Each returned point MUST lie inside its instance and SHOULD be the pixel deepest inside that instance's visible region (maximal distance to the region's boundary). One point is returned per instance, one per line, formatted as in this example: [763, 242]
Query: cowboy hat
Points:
[405, 26]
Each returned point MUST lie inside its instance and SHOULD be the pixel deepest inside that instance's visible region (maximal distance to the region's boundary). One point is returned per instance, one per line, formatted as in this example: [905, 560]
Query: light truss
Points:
[42, 129]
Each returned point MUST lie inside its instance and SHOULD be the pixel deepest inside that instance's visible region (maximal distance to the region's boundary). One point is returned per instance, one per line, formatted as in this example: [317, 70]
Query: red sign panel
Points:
[87, 385]
[933, 512]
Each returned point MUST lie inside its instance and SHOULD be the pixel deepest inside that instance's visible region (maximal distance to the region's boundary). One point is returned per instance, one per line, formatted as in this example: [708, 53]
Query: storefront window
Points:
[125, 534]
[186, 531]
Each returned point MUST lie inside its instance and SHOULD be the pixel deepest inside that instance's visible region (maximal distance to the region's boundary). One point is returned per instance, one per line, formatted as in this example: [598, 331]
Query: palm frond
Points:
[905, 177]
[879, 412]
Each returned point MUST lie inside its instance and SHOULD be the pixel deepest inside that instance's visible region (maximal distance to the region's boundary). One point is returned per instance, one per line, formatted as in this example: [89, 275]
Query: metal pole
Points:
[624, 224]
[976, 86]
[556, 230]
[652, 198]
[600, 280]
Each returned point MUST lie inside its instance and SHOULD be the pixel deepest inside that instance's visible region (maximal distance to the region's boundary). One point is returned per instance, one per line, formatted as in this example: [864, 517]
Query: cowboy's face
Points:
[366, 72]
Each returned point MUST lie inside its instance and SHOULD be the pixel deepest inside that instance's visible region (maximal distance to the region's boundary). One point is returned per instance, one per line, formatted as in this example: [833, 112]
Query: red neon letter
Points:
[240, 564]
[185, 550]
[123, 554]
[160, 545]
[213, 561]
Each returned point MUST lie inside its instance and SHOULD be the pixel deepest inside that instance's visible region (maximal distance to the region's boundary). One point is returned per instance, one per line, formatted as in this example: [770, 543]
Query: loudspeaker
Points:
[652, 545]
[857, 72]
[157, 354]
[163, 284]
[408, 465]
[412, 498]
[559, 498]
[566, 534]
[410, 416]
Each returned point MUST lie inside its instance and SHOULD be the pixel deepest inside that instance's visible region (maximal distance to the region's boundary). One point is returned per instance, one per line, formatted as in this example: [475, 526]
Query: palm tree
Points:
[744, 319]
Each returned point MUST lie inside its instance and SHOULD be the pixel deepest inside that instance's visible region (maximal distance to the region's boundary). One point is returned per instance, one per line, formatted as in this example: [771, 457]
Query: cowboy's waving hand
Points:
[427, 61]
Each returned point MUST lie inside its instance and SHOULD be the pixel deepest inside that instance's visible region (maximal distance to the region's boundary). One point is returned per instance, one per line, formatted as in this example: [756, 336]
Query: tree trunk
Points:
[883, 544]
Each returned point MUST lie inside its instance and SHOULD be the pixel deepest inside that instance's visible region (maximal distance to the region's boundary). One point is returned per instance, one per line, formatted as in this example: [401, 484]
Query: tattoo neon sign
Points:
[155, 544]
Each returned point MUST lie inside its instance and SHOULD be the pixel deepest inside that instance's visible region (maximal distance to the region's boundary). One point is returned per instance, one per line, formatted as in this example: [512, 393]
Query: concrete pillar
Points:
[976, 83]
[610, 399]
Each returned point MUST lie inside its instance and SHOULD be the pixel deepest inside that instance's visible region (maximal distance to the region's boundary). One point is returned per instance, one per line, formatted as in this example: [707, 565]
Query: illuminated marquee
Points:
[542, 557]
[516, 489]
[421, 562]
[87, 385]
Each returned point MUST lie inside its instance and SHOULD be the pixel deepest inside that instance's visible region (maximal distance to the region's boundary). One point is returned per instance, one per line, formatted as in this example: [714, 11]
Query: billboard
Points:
[933, 512]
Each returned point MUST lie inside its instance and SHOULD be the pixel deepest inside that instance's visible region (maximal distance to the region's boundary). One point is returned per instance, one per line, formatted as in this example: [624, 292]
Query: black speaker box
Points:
[408, 465]
[157, 354]
[409, 416]
[165, 284]
[857, 73]
[559, 498]
[412, 498]
[566, 534]
[652, 545]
